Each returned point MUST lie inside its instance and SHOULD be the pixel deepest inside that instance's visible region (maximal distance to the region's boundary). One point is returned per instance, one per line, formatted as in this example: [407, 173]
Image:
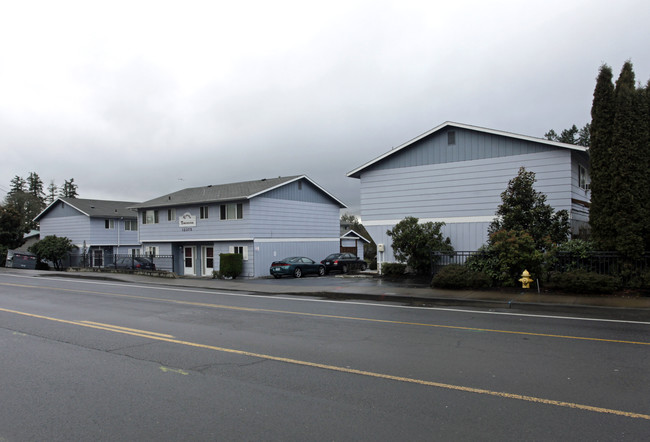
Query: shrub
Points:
[457, 276]
[582, 281]
[393, 269]
[509, 253]
[230, 265]
[413, 243]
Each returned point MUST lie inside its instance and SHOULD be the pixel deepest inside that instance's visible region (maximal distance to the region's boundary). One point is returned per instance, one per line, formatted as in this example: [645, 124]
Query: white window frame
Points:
[171, 215]
[109, 224]
[150, 217]
[242, 250]
[203, 212]
[149, 250]
[131, 224]
[231, 211]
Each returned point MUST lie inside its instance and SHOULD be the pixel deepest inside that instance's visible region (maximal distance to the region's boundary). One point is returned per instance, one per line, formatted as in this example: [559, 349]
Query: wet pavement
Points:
[368, 286]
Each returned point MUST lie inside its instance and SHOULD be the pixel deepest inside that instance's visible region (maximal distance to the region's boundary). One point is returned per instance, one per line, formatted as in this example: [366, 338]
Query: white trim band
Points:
[450, 220]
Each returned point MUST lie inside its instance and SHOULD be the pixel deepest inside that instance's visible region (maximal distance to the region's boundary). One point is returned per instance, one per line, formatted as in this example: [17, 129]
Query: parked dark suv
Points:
[343, 262]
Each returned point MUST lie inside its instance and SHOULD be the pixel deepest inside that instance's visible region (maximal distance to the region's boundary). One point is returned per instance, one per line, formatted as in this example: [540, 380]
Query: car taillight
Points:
[336, 262]
[137, 266]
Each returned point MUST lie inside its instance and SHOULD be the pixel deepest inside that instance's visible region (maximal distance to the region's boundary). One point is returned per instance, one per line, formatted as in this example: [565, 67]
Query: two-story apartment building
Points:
[455, 174]
[104, 228]
[264, 220]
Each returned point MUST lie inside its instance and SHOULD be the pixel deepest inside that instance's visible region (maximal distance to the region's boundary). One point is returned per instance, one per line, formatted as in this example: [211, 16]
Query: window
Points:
[241, 250]
[451, 137]
[109, 223]
[583, 177]
[232, 211]
[150, 217]
[130, 224]
[171, 214]
[151, 250]
[204, 212]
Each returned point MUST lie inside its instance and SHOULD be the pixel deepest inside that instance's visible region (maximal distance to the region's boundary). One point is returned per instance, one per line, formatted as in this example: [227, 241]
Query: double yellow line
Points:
[171, 339]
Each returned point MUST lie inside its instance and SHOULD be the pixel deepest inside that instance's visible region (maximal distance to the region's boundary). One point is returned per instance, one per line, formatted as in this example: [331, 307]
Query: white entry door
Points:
[208, 260]
[189, 253]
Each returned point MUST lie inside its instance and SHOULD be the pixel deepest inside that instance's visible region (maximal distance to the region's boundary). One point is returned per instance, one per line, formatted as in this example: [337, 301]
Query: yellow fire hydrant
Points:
[525, 280]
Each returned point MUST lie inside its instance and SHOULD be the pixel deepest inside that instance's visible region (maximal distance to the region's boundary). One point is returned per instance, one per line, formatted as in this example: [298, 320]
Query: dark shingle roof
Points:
[96, 208]
[223, 192]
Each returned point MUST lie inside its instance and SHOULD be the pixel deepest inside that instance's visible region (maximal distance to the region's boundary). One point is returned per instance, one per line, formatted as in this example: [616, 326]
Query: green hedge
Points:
[457, 276]
[393, 269]
[230, 265]
[582, 281]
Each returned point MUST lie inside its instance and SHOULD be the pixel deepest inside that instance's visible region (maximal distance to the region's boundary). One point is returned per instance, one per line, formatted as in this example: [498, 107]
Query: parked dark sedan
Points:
[343, 262]
[135, 263]
[296, 266]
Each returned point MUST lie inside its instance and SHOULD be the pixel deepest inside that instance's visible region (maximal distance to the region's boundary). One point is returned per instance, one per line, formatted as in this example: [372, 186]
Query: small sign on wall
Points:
[187, 220]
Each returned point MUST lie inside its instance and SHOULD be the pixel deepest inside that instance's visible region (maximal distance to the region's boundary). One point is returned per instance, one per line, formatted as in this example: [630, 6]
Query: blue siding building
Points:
[264, 220]
[455, 173]
[103, 227]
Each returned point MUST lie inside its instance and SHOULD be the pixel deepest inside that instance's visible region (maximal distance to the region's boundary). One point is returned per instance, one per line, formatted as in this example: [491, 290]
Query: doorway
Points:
[189, 253]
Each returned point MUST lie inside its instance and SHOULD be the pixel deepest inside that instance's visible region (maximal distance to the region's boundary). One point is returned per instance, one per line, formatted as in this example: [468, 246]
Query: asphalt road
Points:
[90, 360]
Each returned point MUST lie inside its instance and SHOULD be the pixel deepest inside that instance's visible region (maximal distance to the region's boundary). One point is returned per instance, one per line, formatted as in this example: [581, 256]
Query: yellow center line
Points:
[321, 315]
[118, 328]
[160, 337]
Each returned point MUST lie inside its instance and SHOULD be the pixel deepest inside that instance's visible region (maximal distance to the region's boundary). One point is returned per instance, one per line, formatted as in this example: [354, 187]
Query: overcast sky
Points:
[136, 99]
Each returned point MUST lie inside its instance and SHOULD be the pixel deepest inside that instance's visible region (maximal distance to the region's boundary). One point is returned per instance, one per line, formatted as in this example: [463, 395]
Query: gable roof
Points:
[227, 192]
[352, 234]
[95, 208]
[356, 172]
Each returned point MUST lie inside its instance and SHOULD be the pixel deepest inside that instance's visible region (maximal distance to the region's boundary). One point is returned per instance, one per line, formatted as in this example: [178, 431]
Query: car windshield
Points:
[333, 256]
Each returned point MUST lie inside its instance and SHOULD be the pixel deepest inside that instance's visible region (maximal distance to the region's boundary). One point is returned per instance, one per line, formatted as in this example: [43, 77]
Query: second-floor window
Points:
[109, 223]
[150, 217]
[171, 214]
[130, 224]
[232, 211]
[204, 212]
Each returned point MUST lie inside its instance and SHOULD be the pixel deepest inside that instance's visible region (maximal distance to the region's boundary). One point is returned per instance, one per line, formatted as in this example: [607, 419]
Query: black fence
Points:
[120, 261]
[603, 263]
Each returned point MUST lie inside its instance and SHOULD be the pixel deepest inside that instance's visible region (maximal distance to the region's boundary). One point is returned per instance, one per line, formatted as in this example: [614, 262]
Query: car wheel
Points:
[321, 271]
[363, 266]
[276, 276]
[344, 269]
[297, 273]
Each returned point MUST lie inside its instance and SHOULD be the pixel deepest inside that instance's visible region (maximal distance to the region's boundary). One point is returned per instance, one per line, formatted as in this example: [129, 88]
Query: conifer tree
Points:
[52, 191]
[69, 189]
[629, 173]
[601, 216]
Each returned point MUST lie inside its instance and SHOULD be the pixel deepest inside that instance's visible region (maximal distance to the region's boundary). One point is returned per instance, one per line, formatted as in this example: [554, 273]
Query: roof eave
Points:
[356, 173]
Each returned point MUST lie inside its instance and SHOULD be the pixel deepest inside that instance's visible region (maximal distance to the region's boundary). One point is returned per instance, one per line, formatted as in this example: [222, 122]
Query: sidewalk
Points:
[368, 287]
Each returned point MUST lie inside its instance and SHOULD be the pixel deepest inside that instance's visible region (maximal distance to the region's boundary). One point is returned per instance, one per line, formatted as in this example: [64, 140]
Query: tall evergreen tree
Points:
[628, 163]
[17, 185]
[35, 186]
[584, 136]
[69, 189]
[644, 153]
[601, 216]
[52, 191]
[568, 136]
